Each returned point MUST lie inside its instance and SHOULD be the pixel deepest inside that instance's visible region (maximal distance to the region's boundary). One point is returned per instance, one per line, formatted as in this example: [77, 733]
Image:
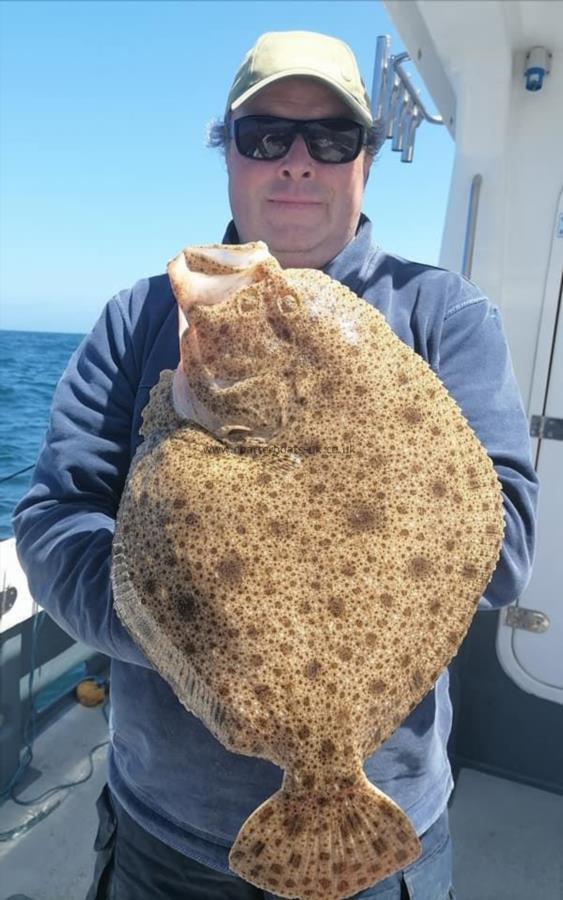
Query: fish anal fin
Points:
[159, 415]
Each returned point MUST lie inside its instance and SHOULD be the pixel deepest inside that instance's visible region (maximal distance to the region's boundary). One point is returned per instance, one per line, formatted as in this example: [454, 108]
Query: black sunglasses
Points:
[270, 137]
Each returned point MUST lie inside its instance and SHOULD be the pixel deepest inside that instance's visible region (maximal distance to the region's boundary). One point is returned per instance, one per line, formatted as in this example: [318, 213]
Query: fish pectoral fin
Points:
[313, 846]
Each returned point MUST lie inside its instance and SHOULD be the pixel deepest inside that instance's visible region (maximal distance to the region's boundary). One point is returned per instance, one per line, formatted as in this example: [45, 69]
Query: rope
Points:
[13, 475]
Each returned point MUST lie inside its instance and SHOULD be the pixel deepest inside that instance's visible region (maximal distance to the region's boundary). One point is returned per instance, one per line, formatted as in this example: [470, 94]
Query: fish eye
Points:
[288, 305]
[245, 303]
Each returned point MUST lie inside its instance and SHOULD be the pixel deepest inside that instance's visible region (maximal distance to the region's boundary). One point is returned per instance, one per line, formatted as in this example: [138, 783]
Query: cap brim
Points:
[360, 112]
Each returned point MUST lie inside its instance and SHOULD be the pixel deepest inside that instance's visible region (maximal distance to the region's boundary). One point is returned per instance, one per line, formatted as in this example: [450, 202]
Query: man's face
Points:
[306, 211]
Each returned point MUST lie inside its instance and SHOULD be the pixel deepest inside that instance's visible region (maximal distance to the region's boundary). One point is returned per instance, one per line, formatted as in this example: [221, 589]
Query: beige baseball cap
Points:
[281, 54]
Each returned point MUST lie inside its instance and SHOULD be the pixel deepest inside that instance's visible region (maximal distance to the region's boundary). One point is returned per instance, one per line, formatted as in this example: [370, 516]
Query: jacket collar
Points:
[349, 265]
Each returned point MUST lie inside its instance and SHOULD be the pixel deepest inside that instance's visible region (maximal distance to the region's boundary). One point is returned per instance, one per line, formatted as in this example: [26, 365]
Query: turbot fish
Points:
[301, 545]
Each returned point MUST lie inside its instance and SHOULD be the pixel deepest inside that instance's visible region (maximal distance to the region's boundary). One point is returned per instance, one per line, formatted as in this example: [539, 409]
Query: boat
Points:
[494, 72]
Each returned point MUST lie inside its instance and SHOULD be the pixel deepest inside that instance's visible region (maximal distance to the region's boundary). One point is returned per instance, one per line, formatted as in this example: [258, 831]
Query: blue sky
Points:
[104, 173]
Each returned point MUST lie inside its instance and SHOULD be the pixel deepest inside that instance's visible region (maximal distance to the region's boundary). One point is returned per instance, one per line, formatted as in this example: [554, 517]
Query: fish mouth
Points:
[235, 268]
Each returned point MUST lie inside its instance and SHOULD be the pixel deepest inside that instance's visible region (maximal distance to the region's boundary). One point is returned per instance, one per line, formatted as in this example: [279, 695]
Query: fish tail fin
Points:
[324, 846]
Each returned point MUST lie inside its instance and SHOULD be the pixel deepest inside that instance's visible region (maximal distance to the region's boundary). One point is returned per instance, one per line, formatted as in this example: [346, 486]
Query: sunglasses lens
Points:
[263, 137]
[334, 140]
[269, 138]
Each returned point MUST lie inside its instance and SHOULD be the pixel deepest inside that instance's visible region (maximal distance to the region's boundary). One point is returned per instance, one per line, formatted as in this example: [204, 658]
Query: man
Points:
[176, 797]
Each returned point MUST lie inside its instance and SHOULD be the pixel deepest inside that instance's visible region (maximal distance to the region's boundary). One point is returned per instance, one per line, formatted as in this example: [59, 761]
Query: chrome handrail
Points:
[471, 227]
[397, 62]
[395, 102]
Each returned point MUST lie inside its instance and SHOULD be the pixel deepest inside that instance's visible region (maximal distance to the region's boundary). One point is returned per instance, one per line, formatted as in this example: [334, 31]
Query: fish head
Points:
[240, 321]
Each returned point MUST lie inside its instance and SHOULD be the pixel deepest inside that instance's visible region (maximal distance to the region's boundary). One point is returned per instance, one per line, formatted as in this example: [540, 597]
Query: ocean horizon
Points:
[42, 331]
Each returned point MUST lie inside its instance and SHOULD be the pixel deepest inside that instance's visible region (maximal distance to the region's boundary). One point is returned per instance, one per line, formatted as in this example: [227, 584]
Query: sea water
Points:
[31, 364]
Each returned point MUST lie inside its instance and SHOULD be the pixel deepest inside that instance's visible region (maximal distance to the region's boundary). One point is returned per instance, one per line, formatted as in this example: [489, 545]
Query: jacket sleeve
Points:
[64, 524]
[476, 368]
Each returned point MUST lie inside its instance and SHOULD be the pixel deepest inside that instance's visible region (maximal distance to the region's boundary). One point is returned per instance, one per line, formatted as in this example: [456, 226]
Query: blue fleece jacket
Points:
[168, 771]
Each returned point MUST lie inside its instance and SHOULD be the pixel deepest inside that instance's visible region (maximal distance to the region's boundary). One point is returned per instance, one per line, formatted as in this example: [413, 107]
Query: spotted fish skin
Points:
[301, 545]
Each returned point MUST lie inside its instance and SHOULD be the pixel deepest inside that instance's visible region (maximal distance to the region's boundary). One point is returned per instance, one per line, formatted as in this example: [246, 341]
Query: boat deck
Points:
[507, 837]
